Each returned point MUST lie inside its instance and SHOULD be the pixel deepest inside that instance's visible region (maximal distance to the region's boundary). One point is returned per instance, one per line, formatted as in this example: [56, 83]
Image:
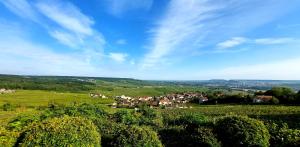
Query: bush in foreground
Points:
[192, 121]
[242, 131]
[65, 131]
[7, 138]
[21, 121]
[205, 137]
[109, 130]
[281, 135]
[178, 136]
[136, 136]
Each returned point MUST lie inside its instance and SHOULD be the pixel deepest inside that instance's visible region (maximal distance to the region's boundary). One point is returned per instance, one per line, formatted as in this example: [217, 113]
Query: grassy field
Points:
[279, 114]
[35, 98]
[28, 101]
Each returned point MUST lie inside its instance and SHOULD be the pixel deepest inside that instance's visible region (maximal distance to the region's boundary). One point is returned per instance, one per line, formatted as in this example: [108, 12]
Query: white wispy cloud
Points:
[231, 43]
[236, 41]
[65, 38]
[118, 7]
[21, 8]
[271, 41]
[199, 24]
[177, 27]
[121, 42]
[74, 29]
[19, 55]
[118, 57]
[67, 15]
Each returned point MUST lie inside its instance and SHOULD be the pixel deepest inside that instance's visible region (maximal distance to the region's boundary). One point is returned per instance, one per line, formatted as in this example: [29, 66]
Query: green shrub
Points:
[8, 138]
[125, 117]
[192, 121]
[274, 100]
[65, 131]
[21, 121]
[149, 116]
[290, 137]
[173, 136]
[136, 136]
[205, 137]
[8, 107]
[283, 136]
[141, 117]
[90, 111]
[178, 136]
[108, 130]
[242, 131]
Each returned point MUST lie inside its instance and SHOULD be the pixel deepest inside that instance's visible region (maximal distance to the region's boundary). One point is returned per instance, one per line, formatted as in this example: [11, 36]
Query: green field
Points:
[29, 101]
[279, 114]
[35, 98]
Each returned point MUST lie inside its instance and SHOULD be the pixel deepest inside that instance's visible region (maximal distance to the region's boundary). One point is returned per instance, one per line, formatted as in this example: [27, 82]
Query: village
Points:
[5, 91]
[170, 100]
[176, 100]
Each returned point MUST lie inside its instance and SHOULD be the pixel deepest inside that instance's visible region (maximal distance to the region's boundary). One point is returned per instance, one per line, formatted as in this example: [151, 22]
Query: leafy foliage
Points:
[284, 94]
[7, 138]
[242, 131]
[126, 117]
[137, 136]
[143, 116]
[8, 107]
[20, 122]
[90, 111]
[65, 131]
[281, 135]
[108, 130]
[192, 121]
[178, 136]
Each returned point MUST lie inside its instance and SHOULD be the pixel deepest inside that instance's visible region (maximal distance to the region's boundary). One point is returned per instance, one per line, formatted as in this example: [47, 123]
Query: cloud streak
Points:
[73, 29]
[118, 57]
[237, 41]
[19, 55]
[177, 27]
[231, 43]
[21, 8]
[201, 24]
[67, 16]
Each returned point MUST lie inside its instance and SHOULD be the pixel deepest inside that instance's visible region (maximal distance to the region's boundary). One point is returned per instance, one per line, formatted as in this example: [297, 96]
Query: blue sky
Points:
[152, 39]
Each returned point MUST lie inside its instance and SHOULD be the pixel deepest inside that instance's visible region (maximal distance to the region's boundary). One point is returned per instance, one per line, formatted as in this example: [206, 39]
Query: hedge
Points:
[64, 131]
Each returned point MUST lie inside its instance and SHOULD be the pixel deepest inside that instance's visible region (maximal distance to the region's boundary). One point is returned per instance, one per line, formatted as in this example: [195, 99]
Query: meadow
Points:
[31, 101]
[32, 116]
[268, 113]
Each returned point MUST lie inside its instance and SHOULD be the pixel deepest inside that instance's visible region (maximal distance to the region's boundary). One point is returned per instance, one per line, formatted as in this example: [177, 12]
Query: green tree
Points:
[242, 131]
[284, 94]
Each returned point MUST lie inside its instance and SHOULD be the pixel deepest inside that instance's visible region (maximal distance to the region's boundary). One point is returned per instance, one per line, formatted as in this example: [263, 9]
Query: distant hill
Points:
[74, 83]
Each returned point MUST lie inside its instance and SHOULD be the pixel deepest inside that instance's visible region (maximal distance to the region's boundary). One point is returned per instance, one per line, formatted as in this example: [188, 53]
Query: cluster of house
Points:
[262, 99]
[170, 100]
[4, 91]
[97, 95]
